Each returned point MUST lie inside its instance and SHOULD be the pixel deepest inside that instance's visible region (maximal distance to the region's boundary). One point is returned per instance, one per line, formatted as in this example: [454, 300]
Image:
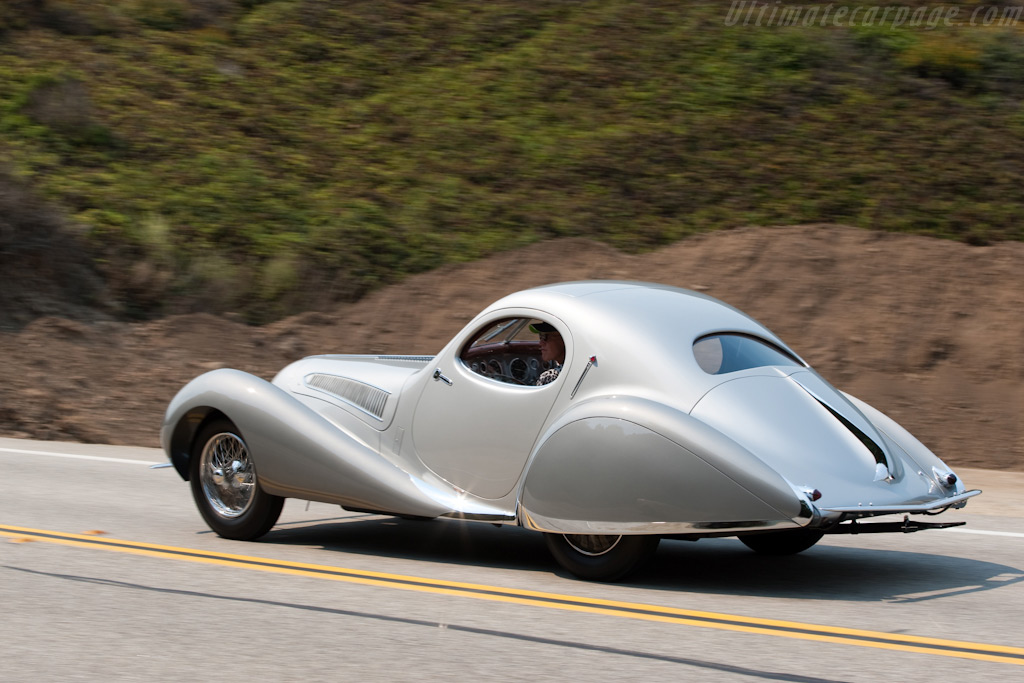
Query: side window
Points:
[507, 350]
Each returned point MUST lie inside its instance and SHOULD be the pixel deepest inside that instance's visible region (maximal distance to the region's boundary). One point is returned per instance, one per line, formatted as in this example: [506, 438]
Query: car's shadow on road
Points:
[832, 570]
[442, 541]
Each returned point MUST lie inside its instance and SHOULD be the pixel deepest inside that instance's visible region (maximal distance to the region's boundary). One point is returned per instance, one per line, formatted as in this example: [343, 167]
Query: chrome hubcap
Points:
[592, 545]
[227, 475]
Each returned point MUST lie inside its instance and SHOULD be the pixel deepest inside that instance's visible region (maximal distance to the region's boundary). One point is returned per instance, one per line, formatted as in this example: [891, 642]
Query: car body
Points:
[672, 415]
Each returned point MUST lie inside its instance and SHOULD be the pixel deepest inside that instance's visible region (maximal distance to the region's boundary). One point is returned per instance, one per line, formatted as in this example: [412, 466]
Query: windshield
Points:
[718, 354]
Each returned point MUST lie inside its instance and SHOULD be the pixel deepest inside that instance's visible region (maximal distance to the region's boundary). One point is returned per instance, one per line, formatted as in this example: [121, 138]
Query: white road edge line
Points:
[979, 532]
[79, 457]
[982, 532]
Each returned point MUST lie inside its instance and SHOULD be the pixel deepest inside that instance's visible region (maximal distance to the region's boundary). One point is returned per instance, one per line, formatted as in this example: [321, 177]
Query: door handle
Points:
[439, 376]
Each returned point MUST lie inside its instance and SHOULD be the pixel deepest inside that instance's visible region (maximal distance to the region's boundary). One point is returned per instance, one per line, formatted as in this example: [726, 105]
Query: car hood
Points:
[808, 432]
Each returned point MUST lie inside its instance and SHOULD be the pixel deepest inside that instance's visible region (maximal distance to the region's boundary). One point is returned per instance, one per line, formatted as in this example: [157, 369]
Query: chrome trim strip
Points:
[576, 526]
[366, 397]
[462, 505]
[480, 517]
[410, 359]
[591, 363]
[871, 510]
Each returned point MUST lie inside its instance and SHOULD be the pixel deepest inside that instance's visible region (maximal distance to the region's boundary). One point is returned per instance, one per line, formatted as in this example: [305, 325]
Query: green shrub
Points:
[164, 15]
[944, 56]
[268, 156]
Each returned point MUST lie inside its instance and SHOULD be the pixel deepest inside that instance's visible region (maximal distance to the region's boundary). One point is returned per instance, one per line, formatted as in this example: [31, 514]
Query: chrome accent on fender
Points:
[461, 505]
[809, 514]
[410, 359]
[494, 518]
[366, 397]
[591, 363]
[870, 510]
[578, 526]
[161, 465]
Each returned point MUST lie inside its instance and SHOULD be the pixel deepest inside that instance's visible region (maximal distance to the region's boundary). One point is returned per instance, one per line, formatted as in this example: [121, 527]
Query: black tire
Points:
[787, 542]
[601, 558]
[224, 484]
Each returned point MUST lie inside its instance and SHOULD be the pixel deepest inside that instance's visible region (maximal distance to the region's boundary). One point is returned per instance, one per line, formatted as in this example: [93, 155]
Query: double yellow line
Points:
[629, 610]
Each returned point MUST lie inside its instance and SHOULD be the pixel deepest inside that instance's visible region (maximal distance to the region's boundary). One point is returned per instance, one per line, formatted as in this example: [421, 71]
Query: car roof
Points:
[646, 307]
[641, 333]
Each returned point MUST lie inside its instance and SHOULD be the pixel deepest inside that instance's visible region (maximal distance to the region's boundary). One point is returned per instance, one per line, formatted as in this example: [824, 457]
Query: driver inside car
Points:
[552, 350]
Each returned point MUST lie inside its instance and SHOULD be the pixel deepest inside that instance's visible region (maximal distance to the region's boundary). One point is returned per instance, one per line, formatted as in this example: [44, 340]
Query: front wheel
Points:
[224, 485]
[601, 558]
[786, 542]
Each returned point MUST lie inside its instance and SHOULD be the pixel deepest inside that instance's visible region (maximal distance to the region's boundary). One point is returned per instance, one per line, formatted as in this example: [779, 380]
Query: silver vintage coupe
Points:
[604, 414]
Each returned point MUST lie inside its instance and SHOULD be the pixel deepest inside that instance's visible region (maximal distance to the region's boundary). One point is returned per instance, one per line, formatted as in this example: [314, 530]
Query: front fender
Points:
[630, 465]
[297, 452]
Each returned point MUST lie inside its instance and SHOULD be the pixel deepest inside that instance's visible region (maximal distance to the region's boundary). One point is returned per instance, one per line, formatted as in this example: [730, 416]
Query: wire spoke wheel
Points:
[592, 545]
[225, 487]
[596, 557]
[227, 475]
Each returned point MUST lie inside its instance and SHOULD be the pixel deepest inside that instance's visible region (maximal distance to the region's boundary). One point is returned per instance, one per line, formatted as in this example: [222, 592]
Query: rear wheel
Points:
[598, 557]
[787, 542]
[224, 484]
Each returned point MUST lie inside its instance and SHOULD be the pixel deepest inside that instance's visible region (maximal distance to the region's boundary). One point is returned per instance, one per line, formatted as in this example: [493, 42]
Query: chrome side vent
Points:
[410, 359]
[367, 398]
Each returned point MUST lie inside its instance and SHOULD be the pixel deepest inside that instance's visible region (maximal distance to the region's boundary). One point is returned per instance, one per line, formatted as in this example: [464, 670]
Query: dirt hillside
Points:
[929, 331]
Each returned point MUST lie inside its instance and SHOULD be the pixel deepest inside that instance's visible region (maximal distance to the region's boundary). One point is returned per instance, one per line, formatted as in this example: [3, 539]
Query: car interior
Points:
[506, 351]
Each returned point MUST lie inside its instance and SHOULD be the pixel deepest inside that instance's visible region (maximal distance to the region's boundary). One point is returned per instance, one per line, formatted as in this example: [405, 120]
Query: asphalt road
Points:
[107, 572]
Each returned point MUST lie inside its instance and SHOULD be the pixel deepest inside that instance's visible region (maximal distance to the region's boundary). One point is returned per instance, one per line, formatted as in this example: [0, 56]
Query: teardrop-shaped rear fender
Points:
[630, 465]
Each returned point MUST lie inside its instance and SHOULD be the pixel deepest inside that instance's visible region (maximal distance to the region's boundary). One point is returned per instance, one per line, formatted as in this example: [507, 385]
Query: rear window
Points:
[718, 354]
